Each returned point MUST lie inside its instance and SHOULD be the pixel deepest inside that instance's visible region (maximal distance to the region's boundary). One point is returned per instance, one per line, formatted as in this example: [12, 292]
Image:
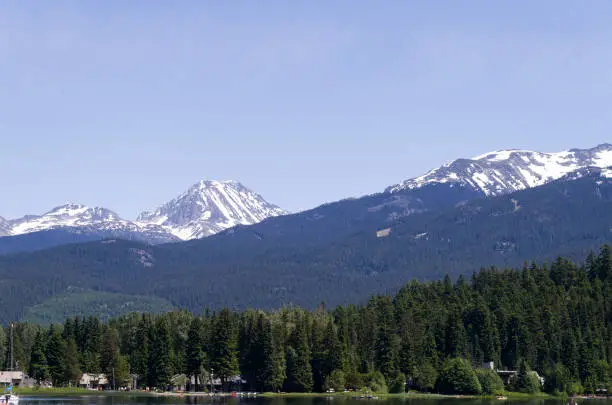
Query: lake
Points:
[336, 400]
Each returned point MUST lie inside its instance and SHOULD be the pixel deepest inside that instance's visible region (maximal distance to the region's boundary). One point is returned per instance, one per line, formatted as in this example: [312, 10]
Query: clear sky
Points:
[124, 104]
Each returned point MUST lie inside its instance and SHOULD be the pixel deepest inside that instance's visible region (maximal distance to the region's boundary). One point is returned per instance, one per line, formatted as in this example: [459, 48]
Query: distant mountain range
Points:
[336, 253]
[209, 207]
[502, 208]
[504, 171]
[204, 209]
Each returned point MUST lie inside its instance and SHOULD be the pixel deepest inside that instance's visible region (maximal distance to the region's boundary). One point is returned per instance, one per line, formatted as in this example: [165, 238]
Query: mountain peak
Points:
[506, 170]
[210, 206]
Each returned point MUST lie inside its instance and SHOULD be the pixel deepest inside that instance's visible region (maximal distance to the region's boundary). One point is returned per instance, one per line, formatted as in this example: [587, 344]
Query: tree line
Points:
[553, 319]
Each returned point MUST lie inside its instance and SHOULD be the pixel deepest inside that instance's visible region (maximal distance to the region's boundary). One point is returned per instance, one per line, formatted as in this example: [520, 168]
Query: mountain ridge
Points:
[292, 260]
[208, 207]
[507, 170]
[226, 211]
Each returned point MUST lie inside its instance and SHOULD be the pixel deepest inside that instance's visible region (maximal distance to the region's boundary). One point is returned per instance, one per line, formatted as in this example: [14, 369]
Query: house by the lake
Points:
[94, 381]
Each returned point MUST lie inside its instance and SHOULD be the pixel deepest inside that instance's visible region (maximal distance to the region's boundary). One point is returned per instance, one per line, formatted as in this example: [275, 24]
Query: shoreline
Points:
[76, 392]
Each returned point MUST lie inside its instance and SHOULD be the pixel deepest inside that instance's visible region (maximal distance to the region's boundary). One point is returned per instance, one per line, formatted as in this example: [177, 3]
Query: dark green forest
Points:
[433, 336]
[330, 254]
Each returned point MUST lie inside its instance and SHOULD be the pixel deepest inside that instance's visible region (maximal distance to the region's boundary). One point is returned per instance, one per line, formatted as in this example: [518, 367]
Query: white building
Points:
[11, 377]
[93, 381]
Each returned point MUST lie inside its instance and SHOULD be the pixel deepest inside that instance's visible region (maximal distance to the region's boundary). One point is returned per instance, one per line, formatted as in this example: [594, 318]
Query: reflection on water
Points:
[189, 400]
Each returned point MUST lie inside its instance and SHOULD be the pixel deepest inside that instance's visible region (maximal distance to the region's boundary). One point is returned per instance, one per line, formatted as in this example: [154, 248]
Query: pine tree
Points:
[195, 354]
[140, 356]
[55, 356]
[274, 369]
[39, 370]
[109, 354]
[159, 355]
[92, 330]
[525, 380]
[71, 371]
[224, 347]
[386, 339]
[299, 371]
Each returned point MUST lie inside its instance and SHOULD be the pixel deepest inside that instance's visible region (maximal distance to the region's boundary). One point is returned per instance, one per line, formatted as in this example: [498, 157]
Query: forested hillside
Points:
[554, 319]
[268, 265]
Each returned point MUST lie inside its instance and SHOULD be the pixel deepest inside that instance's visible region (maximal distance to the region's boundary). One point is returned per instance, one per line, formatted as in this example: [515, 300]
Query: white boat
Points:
[9, 399]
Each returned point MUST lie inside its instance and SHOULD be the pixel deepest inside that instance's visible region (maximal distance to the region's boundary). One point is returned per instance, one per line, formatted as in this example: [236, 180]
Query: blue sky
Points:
[125, 104]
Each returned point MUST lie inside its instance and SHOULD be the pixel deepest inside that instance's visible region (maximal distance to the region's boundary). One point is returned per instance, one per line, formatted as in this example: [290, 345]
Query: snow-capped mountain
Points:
[505, 171]
[83, 219]
[209, 207]
[204, 209]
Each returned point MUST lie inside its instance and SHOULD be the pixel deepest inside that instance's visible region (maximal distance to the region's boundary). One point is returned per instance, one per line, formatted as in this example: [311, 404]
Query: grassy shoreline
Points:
[50, 392]
[411, 394]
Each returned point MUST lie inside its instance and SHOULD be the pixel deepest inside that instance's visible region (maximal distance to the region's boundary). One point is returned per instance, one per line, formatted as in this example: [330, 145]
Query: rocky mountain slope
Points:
[81, 219]
[208, 207]
[327, 255]
[505, 171]
[204, 209]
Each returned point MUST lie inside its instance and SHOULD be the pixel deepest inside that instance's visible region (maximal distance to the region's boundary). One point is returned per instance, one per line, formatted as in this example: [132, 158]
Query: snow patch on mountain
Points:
[505, 171]
[209, 207]
[204, 209]
[80, 218]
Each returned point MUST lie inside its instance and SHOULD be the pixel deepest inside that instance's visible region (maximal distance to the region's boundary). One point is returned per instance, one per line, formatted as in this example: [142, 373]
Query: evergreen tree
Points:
[425, 376]
[195, 353]
[457, 377]
[109, 355]
[386, 339]
[91, 336]
[55, 356]
[525, 380]
[490, 382]
[299, 371]
[224, 347]
[140, 356]
[271, 375]
[159, 355]
[39, 370]
[72, 370]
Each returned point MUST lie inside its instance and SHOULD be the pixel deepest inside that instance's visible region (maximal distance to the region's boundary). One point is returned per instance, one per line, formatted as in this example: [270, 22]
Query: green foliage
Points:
[398, 383]
[556, 318]
[71, 372]
[490, 382]
[224, 346]
[574, 388]
[526, 381]
[299, 369]
[425, 377]
[195, 345]
[55, 351]
[39, 370]
[104, 305]
[557, 380]
[458, 377]
[335, 380]
[160, 369]
[376, 382]
[121, 371]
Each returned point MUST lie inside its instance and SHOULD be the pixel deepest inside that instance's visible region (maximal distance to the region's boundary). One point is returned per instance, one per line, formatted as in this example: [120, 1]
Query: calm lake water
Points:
[126, 400]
